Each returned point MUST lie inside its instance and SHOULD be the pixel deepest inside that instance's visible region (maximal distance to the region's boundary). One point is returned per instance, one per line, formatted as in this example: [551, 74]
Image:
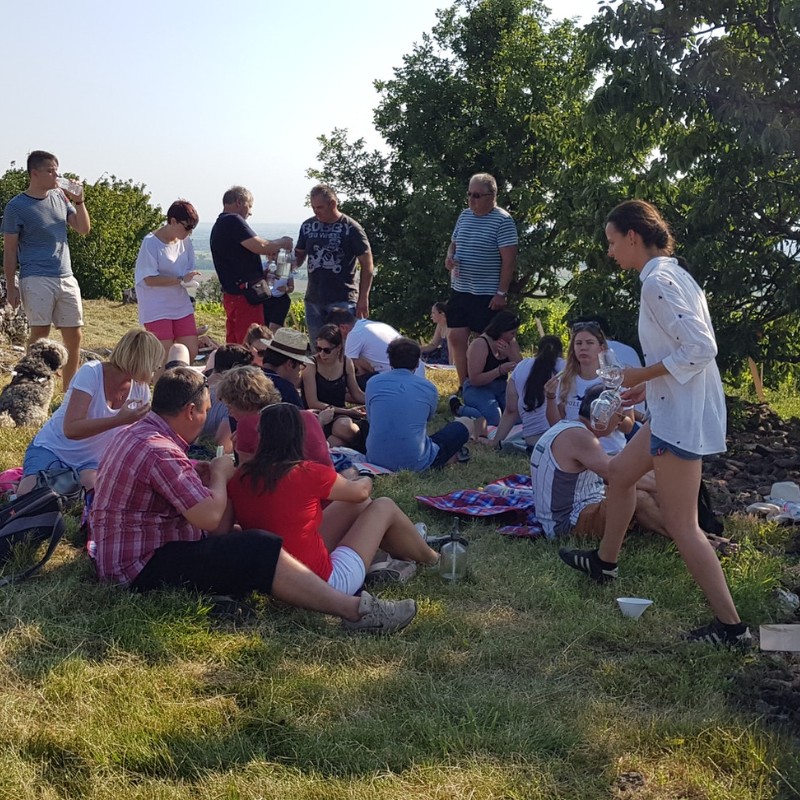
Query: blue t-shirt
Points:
[41, 224]
[399, 406]
[478, 241]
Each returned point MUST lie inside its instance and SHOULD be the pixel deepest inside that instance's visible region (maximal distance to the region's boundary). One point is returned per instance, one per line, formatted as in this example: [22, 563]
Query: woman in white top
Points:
[687, 405]
[102, 397]
[565, 392]
[164, 264]
[525, 393]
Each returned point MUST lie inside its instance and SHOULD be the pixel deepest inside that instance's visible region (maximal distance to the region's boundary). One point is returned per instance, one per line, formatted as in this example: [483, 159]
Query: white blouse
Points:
[687, 406]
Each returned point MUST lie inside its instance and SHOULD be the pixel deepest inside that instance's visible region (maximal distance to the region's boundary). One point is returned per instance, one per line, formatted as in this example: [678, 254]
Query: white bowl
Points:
[633, 607]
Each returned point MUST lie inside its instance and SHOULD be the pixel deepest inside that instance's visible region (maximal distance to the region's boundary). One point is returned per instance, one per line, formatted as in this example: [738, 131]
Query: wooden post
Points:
[757, 381]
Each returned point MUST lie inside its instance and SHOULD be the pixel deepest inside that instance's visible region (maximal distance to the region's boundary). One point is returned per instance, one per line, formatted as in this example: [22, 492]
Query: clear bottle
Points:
[453, 560]
[522, 492]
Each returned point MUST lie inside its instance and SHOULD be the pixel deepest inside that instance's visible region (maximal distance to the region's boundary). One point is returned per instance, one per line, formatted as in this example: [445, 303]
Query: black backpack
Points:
[37, 517]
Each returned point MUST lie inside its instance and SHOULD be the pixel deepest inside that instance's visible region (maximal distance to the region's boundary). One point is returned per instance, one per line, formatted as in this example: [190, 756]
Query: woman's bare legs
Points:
[678, 482]
[624, 471]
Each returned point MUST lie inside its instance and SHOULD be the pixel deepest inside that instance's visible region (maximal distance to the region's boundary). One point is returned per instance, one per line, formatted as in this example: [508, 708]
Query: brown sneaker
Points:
[381, 617]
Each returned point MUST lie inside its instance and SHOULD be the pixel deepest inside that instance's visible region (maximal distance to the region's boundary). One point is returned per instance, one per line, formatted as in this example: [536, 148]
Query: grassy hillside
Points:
[521, 682]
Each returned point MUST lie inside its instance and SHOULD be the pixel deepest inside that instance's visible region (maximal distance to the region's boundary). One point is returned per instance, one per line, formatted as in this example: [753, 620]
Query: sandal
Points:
[464, 455]
[721, 545]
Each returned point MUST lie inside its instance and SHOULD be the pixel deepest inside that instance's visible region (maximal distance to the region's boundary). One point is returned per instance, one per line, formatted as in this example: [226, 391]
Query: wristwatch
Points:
[502, 294]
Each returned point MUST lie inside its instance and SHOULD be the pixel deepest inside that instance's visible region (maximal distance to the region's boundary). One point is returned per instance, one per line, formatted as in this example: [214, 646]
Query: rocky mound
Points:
[762, 449]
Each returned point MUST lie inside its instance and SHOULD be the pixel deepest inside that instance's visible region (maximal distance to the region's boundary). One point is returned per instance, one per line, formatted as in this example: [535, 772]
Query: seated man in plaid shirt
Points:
[152, 511]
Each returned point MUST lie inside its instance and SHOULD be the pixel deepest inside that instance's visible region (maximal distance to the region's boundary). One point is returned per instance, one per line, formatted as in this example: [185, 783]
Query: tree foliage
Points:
[705, 95]
[691, 105]
[494, 88]
[121, 215]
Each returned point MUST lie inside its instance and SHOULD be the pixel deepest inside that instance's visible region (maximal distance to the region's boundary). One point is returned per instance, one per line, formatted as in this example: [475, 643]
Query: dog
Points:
[26, 400]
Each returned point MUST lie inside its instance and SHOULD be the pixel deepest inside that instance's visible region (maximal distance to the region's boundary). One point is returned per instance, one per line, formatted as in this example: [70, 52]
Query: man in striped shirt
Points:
[481, 259]
[568, 465]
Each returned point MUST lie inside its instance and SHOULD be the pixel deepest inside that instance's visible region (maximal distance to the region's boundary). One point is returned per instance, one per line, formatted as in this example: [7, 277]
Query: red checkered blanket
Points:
[480, 503]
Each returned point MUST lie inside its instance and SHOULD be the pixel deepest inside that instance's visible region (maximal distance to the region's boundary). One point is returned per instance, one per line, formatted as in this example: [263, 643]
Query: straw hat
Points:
[291, 343]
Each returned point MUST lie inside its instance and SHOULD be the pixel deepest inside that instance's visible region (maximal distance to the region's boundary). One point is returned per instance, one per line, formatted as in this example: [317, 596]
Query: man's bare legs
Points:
[72, 341]
[457, 342]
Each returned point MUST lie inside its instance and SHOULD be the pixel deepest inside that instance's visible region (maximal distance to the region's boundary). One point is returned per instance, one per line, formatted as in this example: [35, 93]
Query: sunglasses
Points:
[188, 226]
[197, 392]
[478, 195]
[585, 326]
[326, 350]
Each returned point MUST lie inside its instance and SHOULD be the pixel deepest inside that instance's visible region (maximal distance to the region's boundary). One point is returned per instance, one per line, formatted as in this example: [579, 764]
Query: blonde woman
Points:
[104, 396]
[564, 392]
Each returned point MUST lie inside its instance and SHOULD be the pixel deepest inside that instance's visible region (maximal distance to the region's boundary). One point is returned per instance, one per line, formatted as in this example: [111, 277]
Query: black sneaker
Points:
[454, 403]
[721, 635]
[587, 561]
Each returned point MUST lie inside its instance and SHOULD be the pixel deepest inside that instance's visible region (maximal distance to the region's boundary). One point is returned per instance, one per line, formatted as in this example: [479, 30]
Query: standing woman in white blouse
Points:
[687, 406]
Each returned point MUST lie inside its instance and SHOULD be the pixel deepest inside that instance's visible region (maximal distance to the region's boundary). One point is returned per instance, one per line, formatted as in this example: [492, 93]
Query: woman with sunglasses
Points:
[564, 392]
[284, 493]
[327, 383]
[686, 401]
[164, 265]
[491, 357]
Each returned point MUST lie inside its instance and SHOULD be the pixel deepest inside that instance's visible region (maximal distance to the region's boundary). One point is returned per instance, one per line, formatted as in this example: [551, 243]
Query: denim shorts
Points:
[38, 458]
[658, 447]
[348, 570]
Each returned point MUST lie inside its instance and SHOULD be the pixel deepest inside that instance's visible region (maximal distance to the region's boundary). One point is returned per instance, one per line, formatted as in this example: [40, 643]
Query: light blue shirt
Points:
[399, 406]
[41, 225]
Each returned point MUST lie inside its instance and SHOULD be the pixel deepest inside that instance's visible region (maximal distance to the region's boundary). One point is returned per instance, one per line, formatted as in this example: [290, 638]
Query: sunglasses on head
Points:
[585, 326]
[198, 391]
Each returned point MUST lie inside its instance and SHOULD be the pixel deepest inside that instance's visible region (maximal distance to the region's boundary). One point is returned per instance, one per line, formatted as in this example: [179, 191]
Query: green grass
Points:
[521, 682]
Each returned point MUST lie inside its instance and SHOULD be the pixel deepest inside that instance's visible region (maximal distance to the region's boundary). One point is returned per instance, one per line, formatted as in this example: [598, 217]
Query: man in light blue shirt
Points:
[399, 407]
[35, 236]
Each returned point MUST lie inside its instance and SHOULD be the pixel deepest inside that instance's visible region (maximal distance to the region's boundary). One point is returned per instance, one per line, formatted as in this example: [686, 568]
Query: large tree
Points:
[706, 95]
[121, 214]
[494, 87]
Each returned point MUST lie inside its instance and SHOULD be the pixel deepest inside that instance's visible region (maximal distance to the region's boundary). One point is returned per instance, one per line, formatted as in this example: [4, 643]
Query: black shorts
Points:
[276, 309]
[235, 564]
[471, 311]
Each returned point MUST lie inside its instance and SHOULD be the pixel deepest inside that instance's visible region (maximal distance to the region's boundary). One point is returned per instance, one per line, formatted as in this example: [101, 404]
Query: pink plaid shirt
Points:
[144, 484]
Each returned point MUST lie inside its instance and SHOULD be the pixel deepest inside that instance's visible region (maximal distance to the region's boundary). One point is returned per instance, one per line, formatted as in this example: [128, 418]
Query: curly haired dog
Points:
[26, 400]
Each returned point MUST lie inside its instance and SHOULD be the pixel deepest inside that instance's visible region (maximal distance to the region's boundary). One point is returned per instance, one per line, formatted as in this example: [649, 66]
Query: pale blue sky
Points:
[190, 98]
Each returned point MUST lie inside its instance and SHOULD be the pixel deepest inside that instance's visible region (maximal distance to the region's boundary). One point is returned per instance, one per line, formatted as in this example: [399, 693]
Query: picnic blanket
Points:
[482, 503]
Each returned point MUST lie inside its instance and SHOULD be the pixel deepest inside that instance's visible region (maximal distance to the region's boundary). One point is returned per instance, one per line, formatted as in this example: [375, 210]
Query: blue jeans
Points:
[316, 313]
[488, 401]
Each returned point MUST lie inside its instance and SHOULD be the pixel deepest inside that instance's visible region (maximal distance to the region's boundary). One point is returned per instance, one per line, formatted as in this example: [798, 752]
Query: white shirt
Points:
[369, 339]
[157, 258]
[687, 406]
[85, 453]
[534, 422]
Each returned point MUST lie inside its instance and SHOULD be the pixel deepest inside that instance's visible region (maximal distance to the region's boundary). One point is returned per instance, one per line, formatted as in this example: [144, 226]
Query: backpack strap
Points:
[50, 519]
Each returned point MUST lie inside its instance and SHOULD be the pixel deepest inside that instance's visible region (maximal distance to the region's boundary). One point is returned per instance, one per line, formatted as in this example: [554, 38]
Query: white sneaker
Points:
[381, 617]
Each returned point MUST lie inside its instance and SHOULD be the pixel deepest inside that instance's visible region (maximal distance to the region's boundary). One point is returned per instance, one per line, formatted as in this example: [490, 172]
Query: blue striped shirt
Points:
[478, 241]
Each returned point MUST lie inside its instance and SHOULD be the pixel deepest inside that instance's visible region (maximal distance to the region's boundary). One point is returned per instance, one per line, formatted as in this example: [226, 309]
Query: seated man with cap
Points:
[284, 357]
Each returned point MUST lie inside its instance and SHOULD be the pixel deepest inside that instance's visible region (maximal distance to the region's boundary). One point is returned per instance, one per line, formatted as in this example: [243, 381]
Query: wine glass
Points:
[610, 370]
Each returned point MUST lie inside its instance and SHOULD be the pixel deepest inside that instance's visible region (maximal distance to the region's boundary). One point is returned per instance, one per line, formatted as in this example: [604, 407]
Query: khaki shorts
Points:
[52, 301]
[592, 521]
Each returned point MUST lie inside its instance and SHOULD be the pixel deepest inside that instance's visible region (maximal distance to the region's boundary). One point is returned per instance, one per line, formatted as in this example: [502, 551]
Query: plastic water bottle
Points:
[75, 188]
[792, 509]
[453, 561]
[523, 493]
